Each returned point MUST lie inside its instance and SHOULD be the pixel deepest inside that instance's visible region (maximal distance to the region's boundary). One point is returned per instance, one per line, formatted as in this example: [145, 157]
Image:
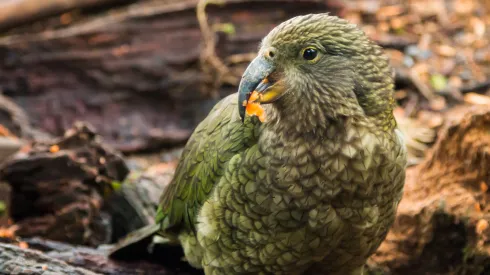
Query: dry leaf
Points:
[483, 187]
[477, 207]
[481, 226]
[54, 149]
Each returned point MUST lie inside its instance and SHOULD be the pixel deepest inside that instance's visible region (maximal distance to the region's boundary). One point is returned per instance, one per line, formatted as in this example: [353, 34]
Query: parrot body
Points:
[287, 204]
[312, 190]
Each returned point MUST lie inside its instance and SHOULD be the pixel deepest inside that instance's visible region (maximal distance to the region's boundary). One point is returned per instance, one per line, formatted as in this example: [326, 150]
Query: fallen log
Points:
[87, 259]
[18, 12]
[134, 206]
[58, 188]
[442, 225]
[17, 261]
[135, 73]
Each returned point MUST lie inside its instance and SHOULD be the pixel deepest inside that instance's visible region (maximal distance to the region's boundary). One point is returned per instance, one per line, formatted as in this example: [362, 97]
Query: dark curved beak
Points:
[255, 73]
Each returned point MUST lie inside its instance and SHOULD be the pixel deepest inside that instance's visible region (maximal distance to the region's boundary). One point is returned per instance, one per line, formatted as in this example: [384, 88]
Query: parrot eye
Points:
[310, 54]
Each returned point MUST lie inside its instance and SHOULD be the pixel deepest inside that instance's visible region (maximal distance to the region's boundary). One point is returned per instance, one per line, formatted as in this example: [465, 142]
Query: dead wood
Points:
[95, 259]
[58, 188]
[135, 73]
[17, 12]
[442, 226]
[134, 206]
[17, 261]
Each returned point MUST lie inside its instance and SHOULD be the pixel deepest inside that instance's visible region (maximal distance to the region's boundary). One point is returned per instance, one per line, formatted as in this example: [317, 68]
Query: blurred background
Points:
[98, 97]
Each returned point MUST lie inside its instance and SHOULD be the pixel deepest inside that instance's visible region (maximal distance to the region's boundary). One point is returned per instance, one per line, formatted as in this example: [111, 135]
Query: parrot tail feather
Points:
[136, 242]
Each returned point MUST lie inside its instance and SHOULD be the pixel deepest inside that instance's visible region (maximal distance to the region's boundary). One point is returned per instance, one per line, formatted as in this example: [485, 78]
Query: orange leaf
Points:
[54, 149]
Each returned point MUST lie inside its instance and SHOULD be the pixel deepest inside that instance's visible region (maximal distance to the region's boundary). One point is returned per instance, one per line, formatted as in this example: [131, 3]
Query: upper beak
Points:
[256, 72]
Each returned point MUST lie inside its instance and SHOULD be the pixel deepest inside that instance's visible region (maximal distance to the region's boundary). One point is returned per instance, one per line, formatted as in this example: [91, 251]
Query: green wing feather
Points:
[214, 142]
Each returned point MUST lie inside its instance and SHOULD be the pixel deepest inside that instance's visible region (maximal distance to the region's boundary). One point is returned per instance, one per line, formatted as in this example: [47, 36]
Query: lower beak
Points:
[255, 79]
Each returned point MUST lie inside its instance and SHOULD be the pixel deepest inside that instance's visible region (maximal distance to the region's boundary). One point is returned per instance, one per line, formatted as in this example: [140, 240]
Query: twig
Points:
[208, 54]
[420, 85]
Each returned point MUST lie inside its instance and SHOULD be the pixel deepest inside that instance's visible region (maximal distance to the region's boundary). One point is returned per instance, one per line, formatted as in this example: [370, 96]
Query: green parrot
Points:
[314, 188]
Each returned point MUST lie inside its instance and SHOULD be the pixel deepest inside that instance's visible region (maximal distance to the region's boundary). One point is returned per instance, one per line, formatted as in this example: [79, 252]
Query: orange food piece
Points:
[254, 96]
[23, 245]
[253, 108]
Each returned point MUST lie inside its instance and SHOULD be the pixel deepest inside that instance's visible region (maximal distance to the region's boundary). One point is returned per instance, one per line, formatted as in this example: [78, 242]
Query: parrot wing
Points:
[219, 137]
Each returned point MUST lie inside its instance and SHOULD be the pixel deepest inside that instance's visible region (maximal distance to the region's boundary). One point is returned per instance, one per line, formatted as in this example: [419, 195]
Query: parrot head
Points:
[318, 67]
